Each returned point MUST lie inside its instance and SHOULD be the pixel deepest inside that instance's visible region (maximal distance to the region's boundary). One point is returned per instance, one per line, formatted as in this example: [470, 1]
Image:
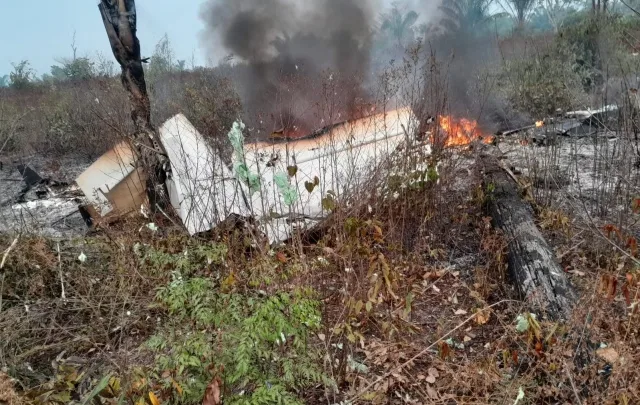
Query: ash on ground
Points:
[592, 175]
[42, 198]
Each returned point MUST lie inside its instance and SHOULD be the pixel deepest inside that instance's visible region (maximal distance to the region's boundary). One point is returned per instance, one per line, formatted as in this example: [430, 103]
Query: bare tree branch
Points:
[636, 12]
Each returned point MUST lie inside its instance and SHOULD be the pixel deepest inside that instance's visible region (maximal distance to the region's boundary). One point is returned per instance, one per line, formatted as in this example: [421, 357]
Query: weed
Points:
[259, 346]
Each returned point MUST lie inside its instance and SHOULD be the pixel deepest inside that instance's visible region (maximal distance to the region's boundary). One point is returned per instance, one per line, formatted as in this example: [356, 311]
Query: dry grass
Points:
[8, 395]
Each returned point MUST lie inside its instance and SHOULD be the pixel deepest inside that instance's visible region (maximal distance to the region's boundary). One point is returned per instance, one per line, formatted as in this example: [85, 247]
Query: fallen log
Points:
[532, 264]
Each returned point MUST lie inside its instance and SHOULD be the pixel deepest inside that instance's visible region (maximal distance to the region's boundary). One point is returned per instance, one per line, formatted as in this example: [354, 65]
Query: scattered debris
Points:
[30, 177]
[42, 205]
[202, 189]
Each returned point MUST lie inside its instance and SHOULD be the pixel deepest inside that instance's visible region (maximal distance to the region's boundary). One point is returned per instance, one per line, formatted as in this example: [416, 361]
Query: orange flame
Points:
[539, 124]
[461, 132]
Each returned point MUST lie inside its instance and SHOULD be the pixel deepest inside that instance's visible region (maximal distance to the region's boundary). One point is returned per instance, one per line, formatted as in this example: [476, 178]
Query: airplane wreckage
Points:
[284, 185]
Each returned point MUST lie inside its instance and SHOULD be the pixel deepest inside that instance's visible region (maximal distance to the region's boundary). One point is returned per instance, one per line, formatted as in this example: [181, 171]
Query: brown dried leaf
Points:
[627, 295]
[608, 354]
[282, 258]
[177, 387]
[212, 394]
[445, 350]
[153, 398]
[613, 284]
[482, 317]
[433, 394]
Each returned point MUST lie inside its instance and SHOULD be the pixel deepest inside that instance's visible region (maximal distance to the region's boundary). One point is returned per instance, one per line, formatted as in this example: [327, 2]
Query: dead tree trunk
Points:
[532, 264]
[119, 18]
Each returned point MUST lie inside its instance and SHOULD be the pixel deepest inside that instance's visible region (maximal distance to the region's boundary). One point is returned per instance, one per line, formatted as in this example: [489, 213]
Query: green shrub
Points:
[542, 83]
[257, 344]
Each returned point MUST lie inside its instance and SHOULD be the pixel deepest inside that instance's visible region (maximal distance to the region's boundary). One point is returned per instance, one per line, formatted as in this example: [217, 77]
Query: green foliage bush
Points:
[22, 76]
[543, 83]
[258, 344]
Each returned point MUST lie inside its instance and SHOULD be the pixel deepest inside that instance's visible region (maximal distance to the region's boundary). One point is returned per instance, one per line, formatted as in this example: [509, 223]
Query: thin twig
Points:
[423, 352]
[1, 290]
[168, 217]
[573, 385]
[561, 256]
[7, 251]
[510, 173]
[63, 296]
[4, 259]
[630, 8]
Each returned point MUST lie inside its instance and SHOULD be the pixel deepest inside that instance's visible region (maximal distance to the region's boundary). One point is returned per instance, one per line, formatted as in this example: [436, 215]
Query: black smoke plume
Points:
[284, 46]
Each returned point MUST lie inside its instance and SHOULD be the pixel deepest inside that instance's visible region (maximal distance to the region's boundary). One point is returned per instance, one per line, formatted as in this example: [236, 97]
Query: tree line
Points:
[399, 26]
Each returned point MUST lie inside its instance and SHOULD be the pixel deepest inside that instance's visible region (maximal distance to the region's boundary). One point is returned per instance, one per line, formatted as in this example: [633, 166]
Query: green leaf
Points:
[523, 324]
[288, 192]
[292, 171]
[432, 175]
[329, 203]
[309, 186]
[98, 388]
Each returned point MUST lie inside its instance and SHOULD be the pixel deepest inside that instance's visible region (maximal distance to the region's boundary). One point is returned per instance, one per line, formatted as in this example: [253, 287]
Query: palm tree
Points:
[470, 16]
[398, 24]
[521, 9]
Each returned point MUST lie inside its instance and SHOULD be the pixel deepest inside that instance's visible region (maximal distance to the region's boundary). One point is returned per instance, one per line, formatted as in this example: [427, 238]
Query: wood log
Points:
[538, 276]
[120, 22]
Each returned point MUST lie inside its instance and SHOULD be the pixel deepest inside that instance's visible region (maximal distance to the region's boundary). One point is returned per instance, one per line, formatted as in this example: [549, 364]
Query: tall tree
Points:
[599, 7]
[466, 16]
[520, 9]
[398, 24]
[119, 18]
[556, 11]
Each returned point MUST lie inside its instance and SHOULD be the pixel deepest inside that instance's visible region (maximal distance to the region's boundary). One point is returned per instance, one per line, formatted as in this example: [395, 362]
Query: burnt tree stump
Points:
[120, 22]
[532, 264]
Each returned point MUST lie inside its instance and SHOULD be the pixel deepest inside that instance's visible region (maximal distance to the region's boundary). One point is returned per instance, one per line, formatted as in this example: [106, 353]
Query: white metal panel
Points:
[202, 189]
[342, 158]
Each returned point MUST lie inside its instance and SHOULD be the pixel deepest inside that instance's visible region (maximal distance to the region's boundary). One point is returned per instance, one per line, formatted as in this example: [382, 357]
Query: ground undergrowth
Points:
[401, 300]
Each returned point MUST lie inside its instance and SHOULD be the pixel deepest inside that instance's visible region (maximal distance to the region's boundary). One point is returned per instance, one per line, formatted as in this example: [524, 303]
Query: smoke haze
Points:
[288, 49]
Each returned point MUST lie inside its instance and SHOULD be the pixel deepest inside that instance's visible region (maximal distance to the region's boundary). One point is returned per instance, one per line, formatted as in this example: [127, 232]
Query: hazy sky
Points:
[40, 31]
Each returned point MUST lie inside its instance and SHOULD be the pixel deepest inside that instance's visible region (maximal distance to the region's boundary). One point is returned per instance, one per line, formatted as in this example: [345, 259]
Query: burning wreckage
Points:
[283, 184]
